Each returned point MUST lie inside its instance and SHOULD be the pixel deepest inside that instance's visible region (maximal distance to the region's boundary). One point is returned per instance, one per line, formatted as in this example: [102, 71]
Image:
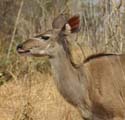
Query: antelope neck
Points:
[61, 64]
[66, 76]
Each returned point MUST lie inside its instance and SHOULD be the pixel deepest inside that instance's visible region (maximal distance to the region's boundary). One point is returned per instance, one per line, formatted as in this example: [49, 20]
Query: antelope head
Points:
[47, 43]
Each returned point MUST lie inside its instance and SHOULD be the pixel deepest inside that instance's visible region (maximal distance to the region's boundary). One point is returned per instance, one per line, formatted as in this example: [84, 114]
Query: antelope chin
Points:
[41, 53]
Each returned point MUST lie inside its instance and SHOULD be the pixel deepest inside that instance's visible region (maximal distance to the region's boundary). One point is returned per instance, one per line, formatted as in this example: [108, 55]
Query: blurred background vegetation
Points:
[27, 91]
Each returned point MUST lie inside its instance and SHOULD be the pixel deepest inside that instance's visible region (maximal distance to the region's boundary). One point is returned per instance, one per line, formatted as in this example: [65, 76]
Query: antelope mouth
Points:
[36, 52]
[23, 52]
[33, 53]
[20, 51]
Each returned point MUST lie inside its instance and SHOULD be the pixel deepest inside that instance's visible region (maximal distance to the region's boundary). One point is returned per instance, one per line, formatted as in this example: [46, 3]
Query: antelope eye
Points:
[45, 37]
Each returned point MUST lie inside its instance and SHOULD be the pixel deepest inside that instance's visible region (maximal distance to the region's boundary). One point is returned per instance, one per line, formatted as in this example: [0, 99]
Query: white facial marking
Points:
[68, 28]
[42, 52]
[36, 38]
[49, 35]
[47, 46]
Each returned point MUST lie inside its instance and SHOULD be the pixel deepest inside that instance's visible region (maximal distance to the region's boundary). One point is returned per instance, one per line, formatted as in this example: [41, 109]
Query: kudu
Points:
[96, 87]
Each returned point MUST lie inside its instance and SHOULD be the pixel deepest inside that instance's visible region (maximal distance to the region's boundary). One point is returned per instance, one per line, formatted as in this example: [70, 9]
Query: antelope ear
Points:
[72, 25]
[59, 21]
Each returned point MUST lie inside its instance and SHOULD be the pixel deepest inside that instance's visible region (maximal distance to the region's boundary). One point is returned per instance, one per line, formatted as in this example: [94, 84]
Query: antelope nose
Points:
[19, 48]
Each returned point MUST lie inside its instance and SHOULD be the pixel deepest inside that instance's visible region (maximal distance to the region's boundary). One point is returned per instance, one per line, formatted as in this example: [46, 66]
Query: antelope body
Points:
[97, 87]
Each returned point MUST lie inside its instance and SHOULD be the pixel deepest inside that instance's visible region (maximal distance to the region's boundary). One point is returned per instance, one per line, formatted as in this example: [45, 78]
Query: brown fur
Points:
[107, 78]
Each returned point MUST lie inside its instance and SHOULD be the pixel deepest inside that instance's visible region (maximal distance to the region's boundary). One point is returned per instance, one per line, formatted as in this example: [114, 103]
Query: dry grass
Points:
[41, 101]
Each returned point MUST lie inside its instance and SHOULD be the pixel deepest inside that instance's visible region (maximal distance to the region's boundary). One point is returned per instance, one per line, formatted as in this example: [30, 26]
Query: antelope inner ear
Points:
[72, 25]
